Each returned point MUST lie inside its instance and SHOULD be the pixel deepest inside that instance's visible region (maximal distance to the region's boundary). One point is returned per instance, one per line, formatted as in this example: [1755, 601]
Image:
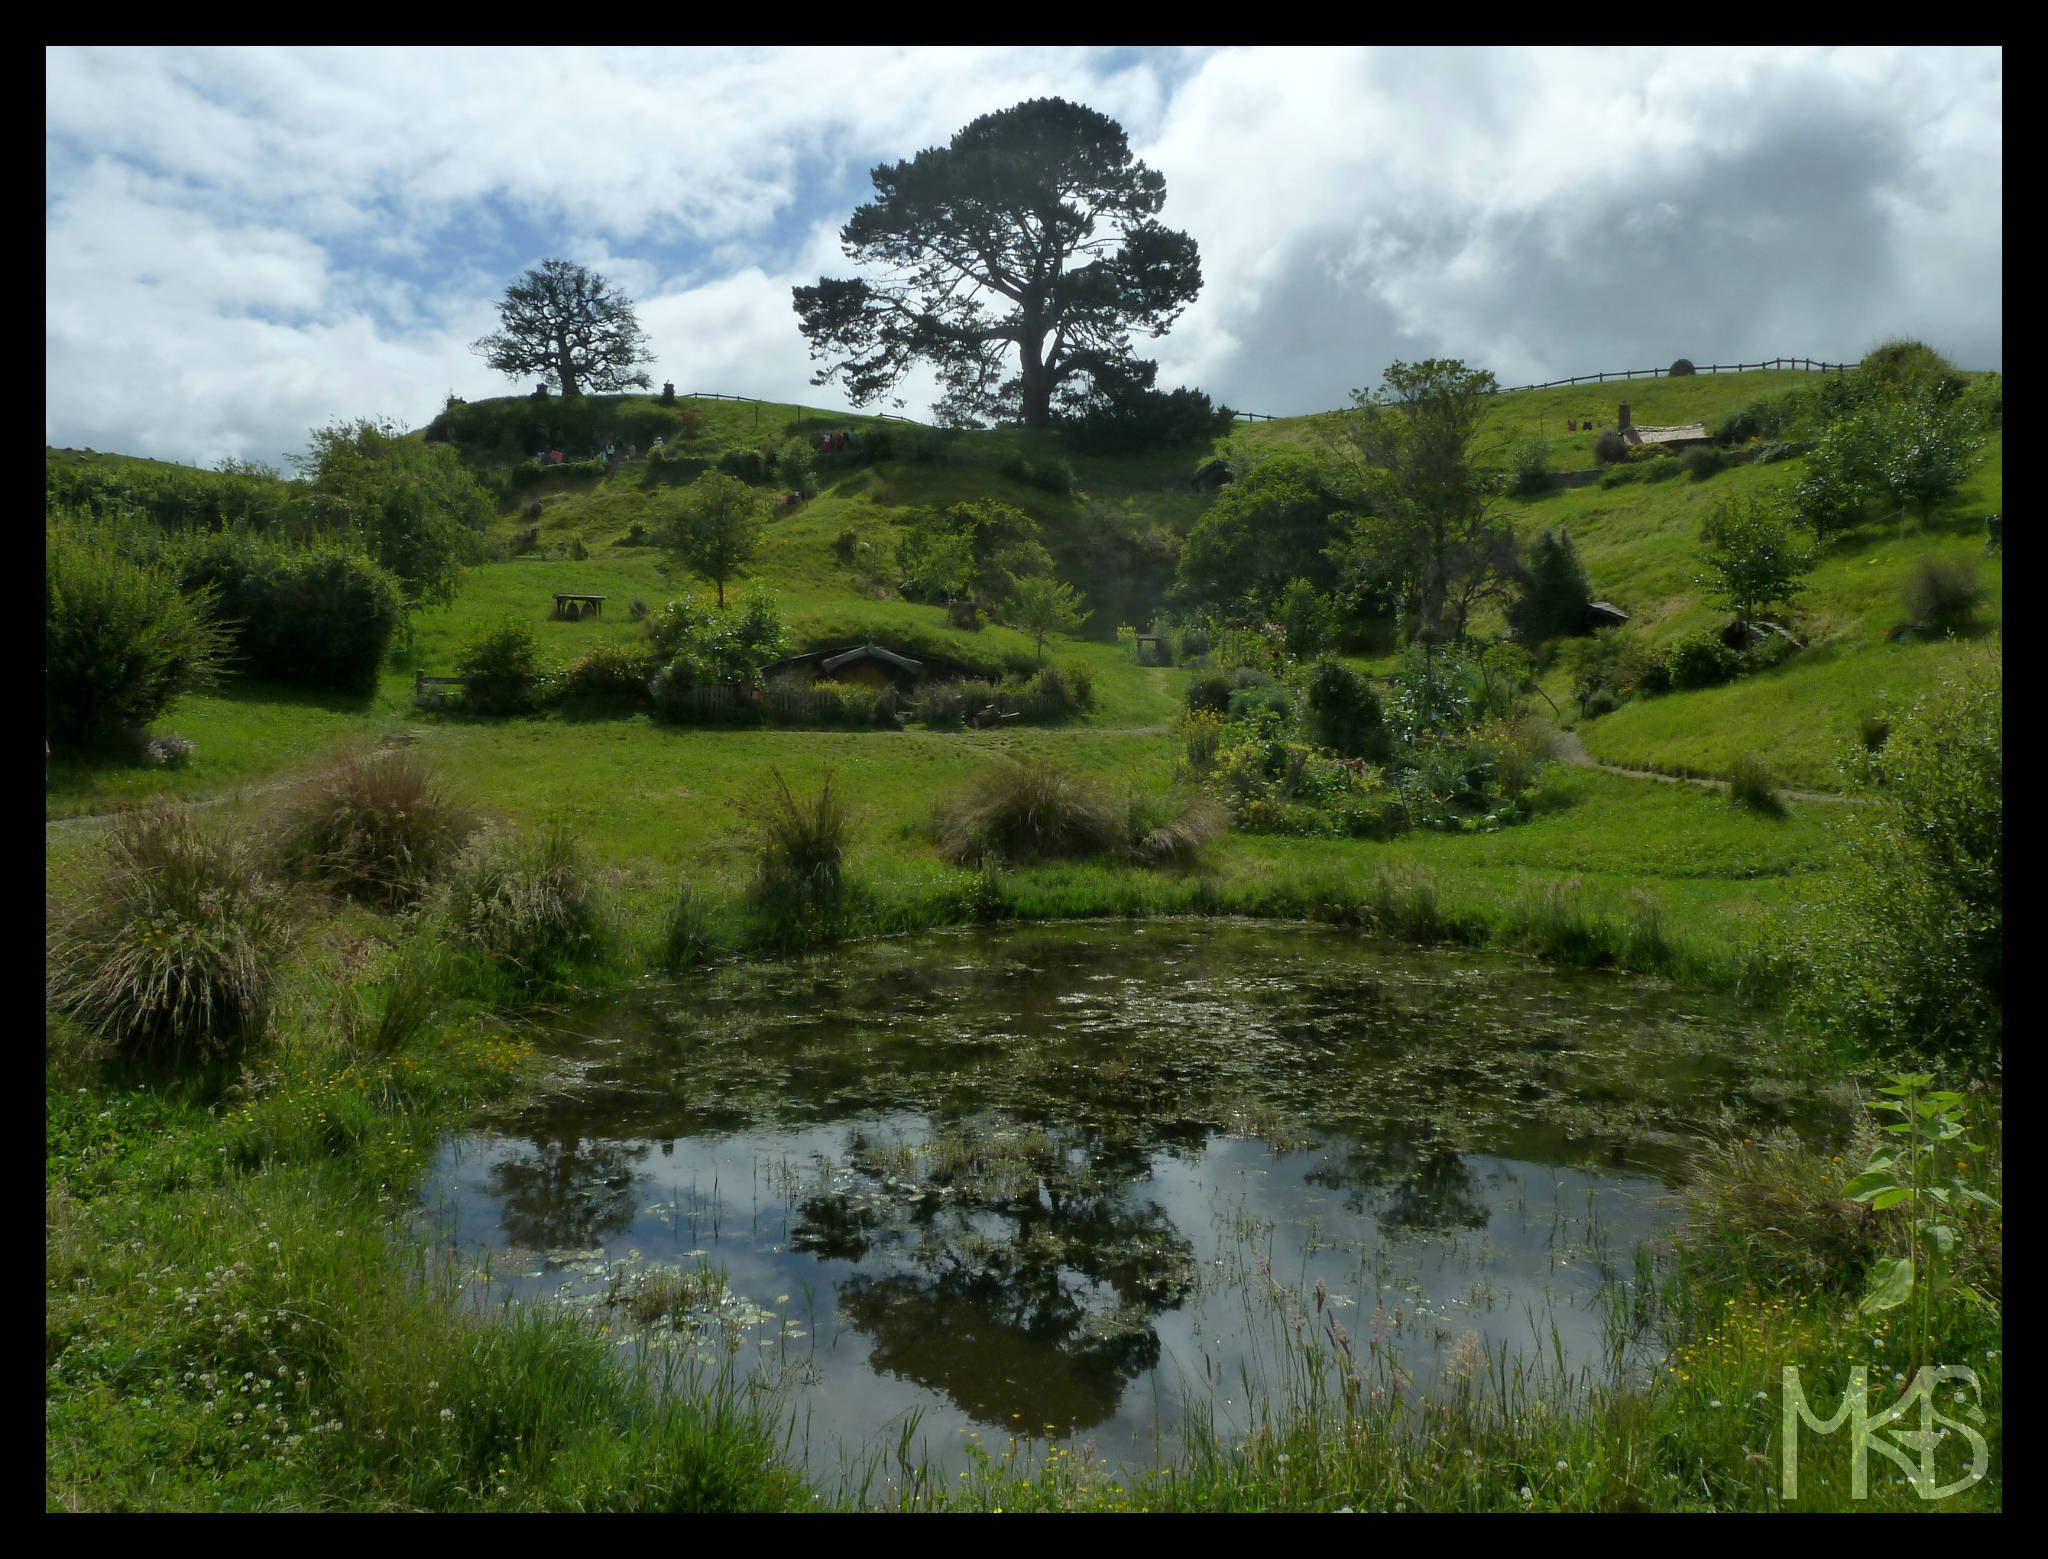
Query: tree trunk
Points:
[1036, 383]
[566, 367]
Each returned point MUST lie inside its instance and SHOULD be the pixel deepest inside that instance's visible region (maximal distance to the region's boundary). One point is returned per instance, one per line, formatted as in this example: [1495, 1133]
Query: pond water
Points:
[1054, 1182]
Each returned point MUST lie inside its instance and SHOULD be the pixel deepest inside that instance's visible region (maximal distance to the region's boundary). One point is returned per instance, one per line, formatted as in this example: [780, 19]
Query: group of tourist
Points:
[834, 443]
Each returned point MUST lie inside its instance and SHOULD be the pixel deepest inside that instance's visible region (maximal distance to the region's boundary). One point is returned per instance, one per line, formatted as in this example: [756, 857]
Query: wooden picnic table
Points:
[565, 599]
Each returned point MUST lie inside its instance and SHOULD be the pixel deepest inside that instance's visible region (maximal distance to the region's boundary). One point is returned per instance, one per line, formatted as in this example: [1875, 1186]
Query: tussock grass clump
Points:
[1752, 784]
[171, 954]
[528, 902]
[685, 930]
[379, 827]
[1020, 811]
[1178, 839]
[799, 886]
[1773, 1212]
[1944, 593]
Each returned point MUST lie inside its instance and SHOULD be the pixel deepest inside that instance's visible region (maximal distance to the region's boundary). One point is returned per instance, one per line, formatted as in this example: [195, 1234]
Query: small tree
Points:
[716, 530]
[119, 641]
[1753, 559]
[1041, 605]
[1554, 591]
[567, 323]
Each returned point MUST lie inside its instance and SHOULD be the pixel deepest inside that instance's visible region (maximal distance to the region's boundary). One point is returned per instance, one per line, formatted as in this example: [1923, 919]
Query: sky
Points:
[246, 244]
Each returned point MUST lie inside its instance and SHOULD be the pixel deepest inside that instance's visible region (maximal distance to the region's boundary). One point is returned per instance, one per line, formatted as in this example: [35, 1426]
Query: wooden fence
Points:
[1625, 374]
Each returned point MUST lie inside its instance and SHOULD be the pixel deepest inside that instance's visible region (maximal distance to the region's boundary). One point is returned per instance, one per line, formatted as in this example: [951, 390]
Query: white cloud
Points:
[243, 243]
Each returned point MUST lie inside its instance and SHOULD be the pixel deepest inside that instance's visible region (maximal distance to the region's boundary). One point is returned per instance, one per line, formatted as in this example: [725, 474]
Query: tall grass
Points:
[171, 953]
[378, 827]
[799, 889]
[527, 902]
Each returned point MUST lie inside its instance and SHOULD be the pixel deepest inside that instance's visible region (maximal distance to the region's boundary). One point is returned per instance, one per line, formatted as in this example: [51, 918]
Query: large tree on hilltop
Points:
[1034, 229]
[568, 324]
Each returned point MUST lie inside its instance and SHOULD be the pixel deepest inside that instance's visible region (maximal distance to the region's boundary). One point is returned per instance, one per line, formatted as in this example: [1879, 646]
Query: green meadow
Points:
[247, 1225]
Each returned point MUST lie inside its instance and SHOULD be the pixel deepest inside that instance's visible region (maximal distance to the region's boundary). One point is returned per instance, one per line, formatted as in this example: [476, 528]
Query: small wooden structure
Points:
[1161, 656]
[571, 607]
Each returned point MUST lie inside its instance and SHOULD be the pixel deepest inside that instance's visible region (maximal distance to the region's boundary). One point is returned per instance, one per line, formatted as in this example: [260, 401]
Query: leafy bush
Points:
[1052, 474]
[119, 641]
[1053, 693]
[1915, 963]
[1210, 691]
[1529, 468]
[944, 706]
[1201, 734]
[797, 467]
[1610, 446]
[800, 852]
[499, 666]
[609, 671]
[171, 953]
[1344, 713]
[320, 617]
[1122, 413]
[748, 465]
[1702, 660]
[1702, 463]
[1601, 701]
[706, 644]
[1752, 784]
[526, 902]
[1944, 593]
[1308, 619]
[380, 827]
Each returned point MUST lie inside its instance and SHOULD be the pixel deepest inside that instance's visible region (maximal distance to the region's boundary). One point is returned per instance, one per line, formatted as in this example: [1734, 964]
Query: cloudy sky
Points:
[245, 244]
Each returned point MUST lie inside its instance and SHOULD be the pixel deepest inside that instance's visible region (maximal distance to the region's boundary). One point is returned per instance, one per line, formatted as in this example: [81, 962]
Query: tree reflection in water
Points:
[1407, 1186]
[1020, 1276]
[573, 1191]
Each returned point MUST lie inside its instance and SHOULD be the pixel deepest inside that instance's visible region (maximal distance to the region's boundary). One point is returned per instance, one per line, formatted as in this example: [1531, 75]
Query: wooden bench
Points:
[571, 607]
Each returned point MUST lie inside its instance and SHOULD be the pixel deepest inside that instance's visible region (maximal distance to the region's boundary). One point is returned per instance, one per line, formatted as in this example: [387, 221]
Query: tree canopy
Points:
[1432, 523]
[1035, 230]
[568, 325]
[716, 529]
[414, 505]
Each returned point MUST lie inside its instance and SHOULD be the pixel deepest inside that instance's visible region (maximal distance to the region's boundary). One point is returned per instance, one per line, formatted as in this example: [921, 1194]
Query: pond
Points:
[1058, 1182]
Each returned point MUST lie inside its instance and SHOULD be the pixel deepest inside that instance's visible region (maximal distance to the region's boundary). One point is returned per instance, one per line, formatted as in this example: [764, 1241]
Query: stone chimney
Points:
[1624, 424]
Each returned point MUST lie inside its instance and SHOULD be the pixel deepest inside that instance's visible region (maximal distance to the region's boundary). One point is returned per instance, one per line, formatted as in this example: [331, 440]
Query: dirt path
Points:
[101, 819]
[1569, 749]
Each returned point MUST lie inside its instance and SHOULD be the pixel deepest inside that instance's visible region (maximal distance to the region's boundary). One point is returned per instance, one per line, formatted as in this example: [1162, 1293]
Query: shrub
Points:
[320, 617]
[609, 671]
[1017, 811]
[1053, 693]
[1529, 468]
[1515, 746]
[1944, 593]
[379, 827]
[800, 851]
[1702, 660]
[499, 665]
[1915, 965]
[1601, 701]
[1751, 784]
[1210, 691]
[1773, 1212]
[797, 467]
[168, 751]
[1610, 447]
[1554, 591]
[1702, 463]
[749, 465]
[526, 902]
[1344, 713]
[1052, 475]
[119, 641]
[1201, 733]
[170, 955]
[943, 706]
[1680, 369]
